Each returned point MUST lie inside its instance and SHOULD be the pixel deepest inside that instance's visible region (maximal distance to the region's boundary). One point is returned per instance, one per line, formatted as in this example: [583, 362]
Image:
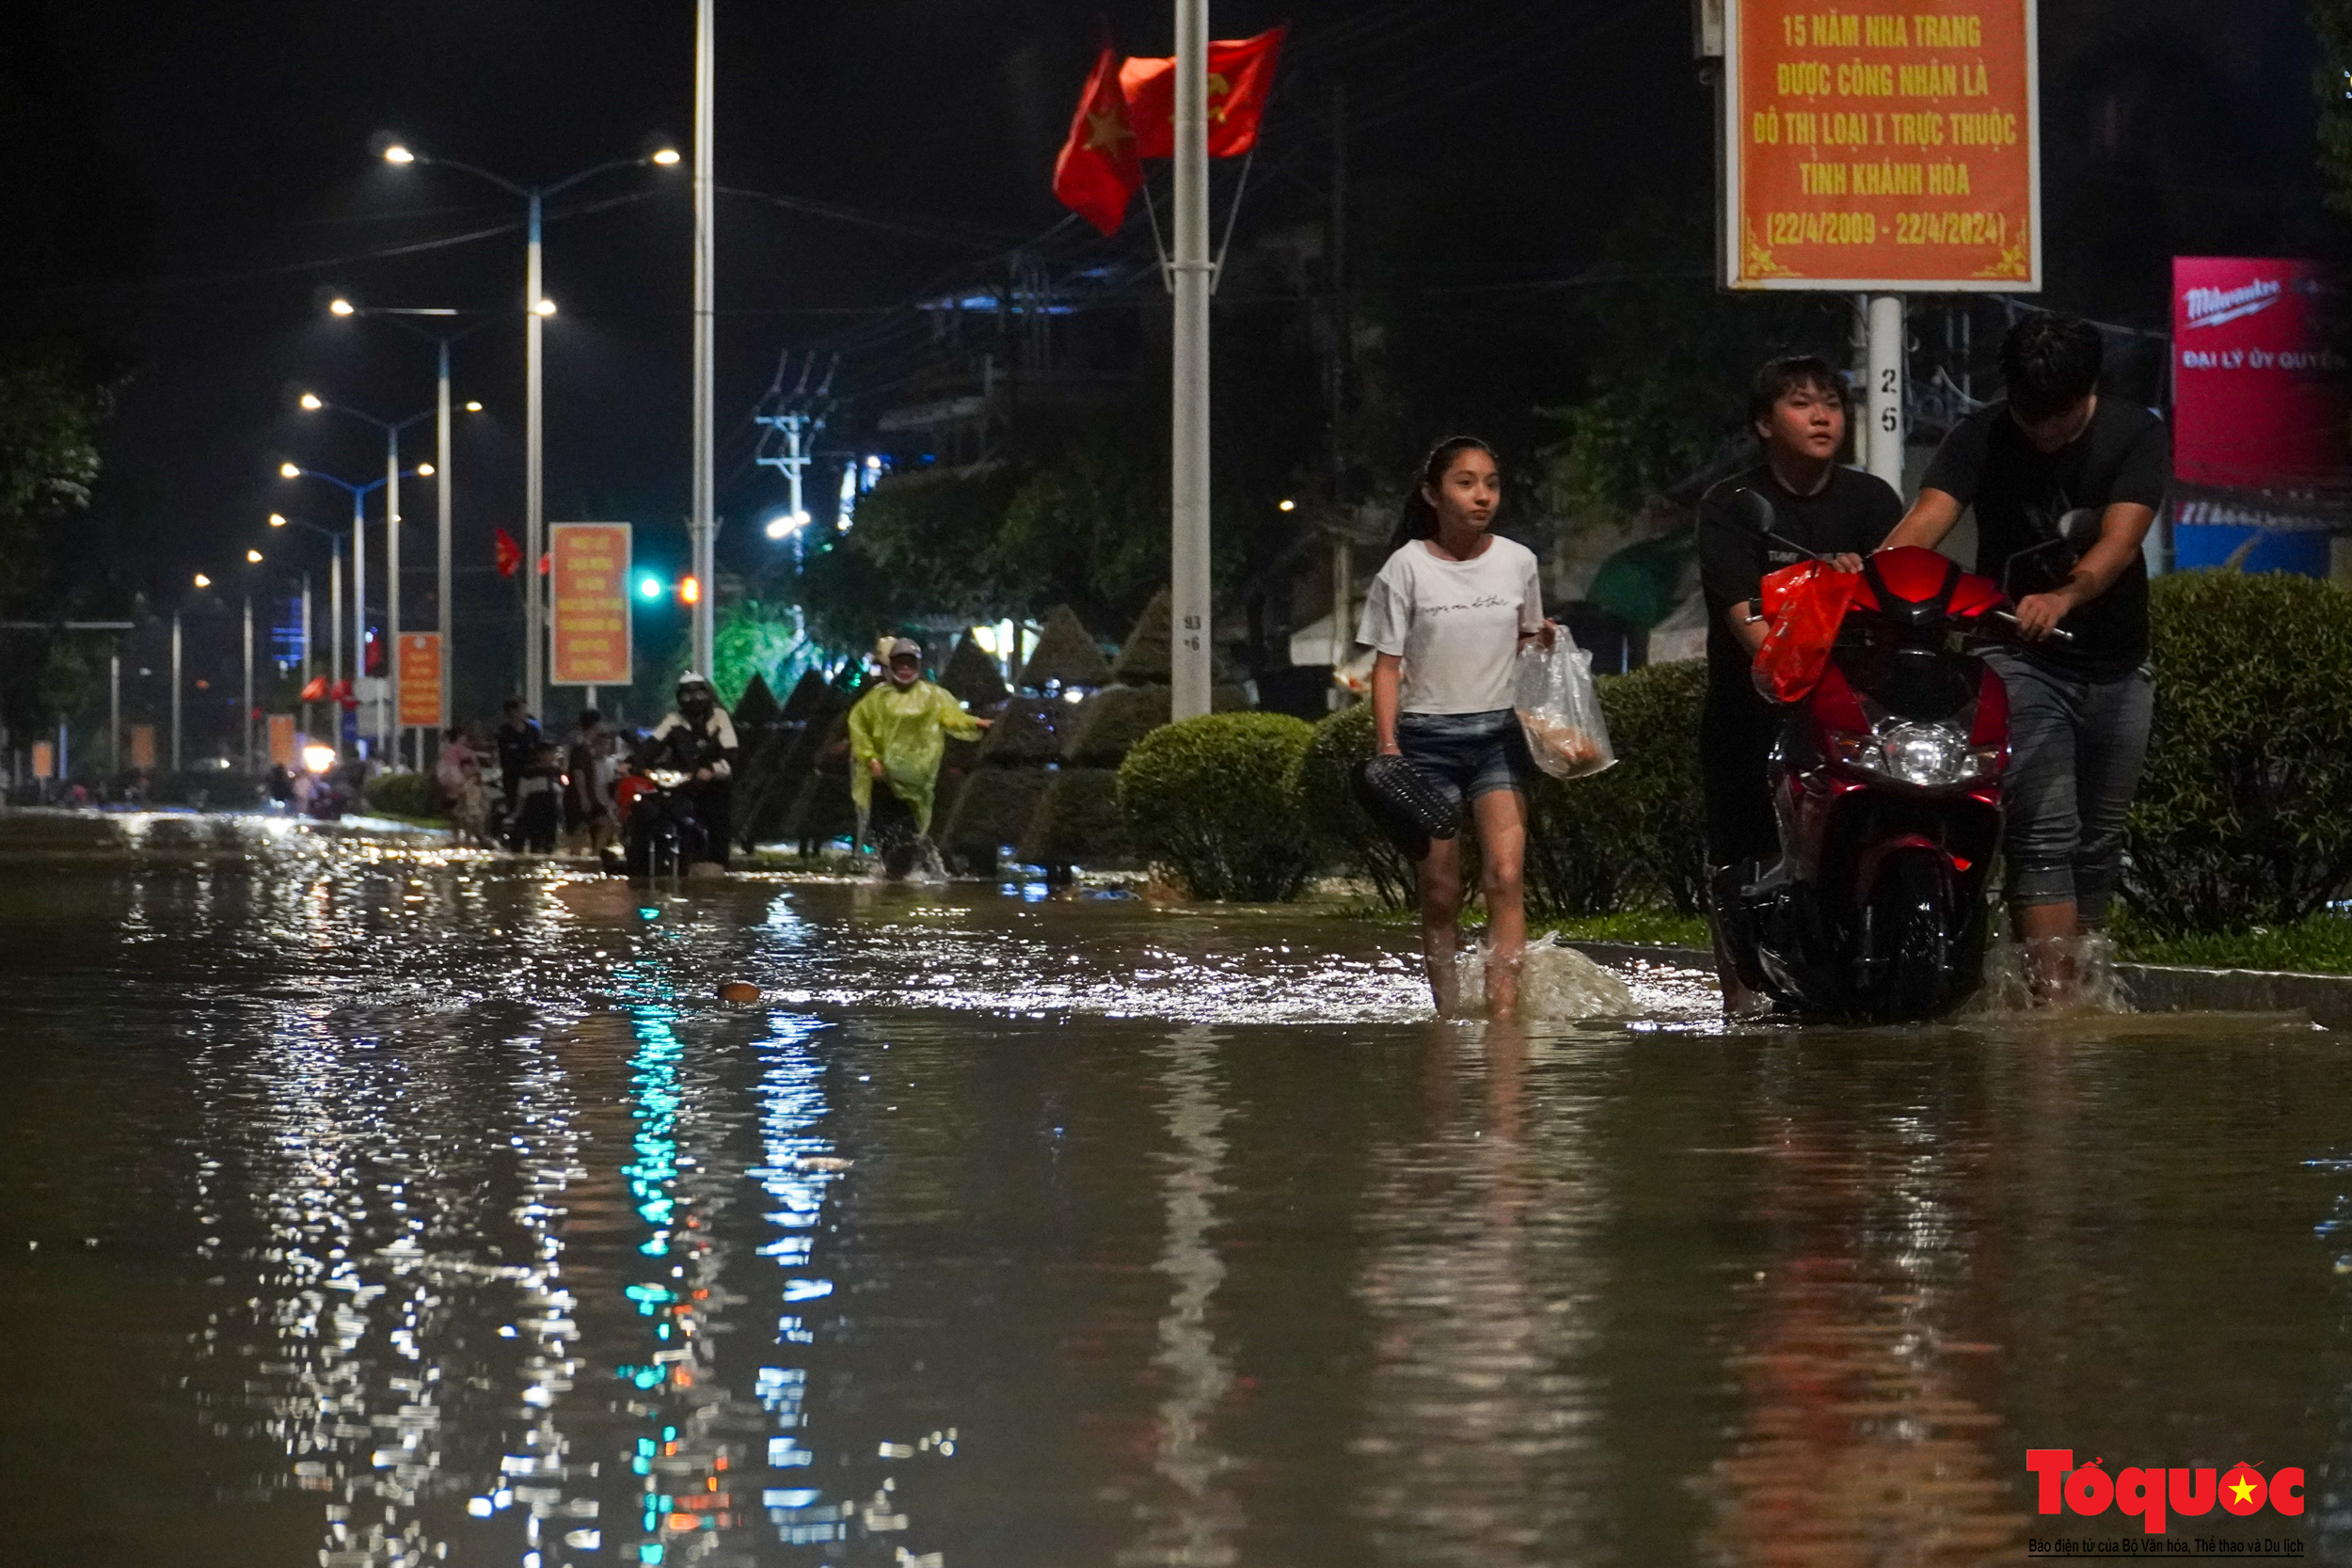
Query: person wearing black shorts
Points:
[2065, 485]
[1798, 409]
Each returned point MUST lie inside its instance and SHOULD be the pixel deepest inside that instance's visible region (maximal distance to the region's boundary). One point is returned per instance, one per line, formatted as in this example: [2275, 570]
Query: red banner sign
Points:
[588, 563]
[419, 680]
[1893, 147]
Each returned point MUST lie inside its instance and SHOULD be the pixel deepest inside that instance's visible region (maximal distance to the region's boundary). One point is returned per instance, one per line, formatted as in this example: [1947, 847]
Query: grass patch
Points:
[2318, 945]
[1662, 926]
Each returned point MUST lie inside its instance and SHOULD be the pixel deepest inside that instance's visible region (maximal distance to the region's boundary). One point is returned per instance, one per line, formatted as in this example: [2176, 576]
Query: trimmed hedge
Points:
[1210, 799]
[2244, 816]
[1644, 821]
[991, 811]
[1078, 822]
[1339, 832]
[405, 794]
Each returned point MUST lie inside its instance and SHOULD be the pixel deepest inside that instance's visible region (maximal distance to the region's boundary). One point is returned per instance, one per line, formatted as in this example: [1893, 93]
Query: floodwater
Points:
[365, 1204]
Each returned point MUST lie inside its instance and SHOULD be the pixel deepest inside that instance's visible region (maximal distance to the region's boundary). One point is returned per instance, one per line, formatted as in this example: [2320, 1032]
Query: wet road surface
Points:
[365, 1204]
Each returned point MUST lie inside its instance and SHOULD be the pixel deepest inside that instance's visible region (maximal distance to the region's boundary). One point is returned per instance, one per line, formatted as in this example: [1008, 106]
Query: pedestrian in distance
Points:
[897, 734]
[464, 795]
[518, 742]
[588, 814]
[2065, 484]
[1798, 409]
[538, 802]
[1446, 617]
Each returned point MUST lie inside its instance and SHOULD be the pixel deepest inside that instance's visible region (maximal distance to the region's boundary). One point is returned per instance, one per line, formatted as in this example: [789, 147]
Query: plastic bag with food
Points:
[1559, 711]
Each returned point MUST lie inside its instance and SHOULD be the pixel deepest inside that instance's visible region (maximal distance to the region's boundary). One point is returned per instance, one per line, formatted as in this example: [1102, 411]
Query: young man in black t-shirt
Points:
[2065, 485]
[1798, 407]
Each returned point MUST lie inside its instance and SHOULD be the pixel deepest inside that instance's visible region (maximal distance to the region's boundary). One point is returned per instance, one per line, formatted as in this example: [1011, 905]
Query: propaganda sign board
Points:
[1889, 147]
[420, 679]
[589, 564]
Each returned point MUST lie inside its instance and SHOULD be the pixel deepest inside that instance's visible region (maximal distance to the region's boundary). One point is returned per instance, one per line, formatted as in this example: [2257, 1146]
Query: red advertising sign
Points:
[419, 680]
[2258, 394]
[588, 563]
[1894, 148]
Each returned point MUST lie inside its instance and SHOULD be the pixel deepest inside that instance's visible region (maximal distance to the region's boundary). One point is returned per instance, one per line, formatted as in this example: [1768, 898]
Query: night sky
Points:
[1516, 132]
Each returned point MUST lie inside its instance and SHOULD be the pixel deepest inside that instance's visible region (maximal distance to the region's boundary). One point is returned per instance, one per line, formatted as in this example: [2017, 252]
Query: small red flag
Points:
[1096, 174]
[342, 693]
[510, 556]
[315, 690]
[1241, 79]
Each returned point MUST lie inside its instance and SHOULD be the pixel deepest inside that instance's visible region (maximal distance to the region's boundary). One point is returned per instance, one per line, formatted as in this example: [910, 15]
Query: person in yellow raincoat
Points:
[898, 733]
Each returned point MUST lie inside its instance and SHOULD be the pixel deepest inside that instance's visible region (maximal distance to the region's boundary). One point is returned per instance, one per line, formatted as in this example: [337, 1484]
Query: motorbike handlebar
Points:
[2010, 620]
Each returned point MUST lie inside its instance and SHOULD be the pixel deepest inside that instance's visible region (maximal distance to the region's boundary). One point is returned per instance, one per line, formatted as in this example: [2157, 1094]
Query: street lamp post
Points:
[358, 493]
[537, 308]
[442, 586]
[388, 719]
[175, 691]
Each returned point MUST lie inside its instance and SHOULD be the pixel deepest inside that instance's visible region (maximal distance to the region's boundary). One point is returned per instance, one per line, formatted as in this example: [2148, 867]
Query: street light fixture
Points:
[358, 493]
[392, 429]
[203, 582]
[444, 592]
[537, 308]
[253, 558]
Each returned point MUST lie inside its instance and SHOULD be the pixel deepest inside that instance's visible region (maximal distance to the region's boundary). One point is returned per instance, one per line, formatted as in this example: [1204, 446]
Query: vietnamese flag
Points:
[510, 554]
[1096, 174]
[314, 690]
[1241, 79]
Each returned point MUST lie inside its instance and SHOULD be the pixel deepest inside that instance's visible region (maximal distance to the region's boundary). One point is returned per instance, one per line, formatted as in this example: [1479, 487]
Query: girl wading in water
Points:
[1446, 617]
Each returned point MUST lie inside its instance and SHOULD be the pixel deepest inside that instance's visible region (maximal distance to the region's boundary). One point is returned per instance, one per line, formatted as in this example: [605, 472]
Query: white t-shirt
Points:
[1456, 623]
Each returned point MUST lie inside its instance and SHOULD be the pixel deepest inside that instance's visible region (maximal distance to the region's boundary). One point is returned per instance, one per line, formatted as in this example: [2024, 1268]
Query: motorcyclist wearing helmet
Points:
[697, 738]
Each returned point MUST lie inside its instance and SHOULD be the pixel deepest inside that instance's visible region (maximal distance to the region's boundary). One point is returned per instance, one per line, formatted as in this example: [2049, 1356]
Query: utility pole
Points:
[175, 691]
[113, 711]
[1343, 350]
[1886, 389]
[441, 577]
[1191, 268]
[386, 717]
[244, 712]
[702, 524]
[534, 487]
[305, 651]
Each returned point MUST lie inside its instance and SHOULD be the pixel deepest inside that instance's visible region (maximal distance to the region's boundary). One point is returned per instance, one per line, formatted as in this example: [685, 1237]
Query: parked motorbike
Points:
[1886, 783]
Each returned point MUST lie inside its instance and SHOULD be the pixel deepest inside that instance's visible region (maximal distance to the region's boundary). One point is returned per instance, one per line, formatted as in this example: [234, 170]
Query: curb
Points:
[2152, 988]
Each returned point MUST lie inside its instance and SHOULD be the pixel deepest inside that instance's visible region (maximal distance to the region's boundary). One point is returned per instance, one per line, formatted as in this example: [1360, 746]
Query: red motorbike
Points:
[1886, 782]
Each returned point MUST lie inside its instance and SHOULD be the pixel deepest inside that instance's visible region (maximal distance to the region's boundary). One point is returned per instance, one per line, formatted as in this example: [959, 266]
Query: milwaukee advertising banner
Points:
[1890, 150]
[420, 679]
[2258, 393]
[589, 564]
[2261, 461]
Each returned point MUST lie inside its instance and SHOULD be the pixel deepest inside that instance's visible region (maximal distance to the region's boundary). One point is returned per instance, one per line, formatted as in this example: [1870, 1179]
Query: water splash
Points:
[1556, 984]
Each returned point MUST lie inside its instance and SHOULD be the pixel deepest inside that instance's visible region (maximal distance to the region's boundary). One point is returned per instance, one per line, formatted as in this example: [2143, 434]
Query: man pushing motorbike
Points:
[2065, 484]
[697, 739]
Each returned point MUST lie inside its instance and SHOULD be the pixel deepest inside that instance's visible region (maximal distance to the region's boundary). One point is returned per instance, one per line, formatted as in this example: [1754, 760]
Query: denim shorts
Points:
[1467, 755]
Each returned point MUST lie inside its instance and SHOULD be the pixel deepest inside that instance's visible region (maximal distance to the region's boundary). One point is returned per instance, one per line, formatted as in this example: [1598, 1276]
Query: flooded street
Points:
[368, 1204]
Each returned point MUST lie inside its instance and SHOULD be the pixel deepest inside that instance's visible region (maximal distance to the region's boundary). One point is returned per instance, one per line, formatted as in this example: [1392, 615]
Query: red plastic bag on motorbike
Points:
[1806, 603]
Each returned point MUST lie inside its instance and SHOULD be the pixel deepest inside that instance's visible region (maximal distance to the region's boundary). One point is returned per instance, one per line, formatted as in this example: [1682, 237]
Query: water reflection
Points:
[1860, 1439]
[434, 1209]
[1189, 1520]
[1481, 1443]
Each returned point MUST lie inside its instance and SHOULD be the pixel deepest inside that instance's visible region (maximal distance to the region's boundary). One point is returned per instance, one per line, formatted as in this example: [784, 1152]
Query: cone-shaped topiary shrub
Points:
[1065, 656]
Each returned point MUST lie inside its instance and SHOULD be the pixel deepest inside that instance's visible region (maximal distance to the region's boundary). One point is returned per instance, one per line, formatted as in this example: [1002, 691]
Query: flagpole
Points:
[1192, 271]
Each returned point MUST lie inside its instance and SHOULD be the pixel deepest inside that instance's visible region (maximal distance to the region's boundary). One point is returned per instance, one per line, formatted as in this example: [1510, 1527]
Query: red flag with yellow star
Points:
[1097, 173]
[1241, 79]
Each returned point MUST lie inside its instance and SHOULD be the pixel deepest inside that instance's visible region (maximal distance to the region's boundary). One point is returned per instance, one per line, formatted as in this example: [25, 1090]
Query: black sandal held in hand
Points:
[1409, 809]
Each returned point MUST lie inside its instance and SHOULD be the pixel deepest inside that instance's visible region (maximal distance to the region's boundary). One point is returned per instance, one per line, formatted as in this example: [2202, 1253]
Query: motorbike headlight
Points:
[1926, 756]
[667, 778]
